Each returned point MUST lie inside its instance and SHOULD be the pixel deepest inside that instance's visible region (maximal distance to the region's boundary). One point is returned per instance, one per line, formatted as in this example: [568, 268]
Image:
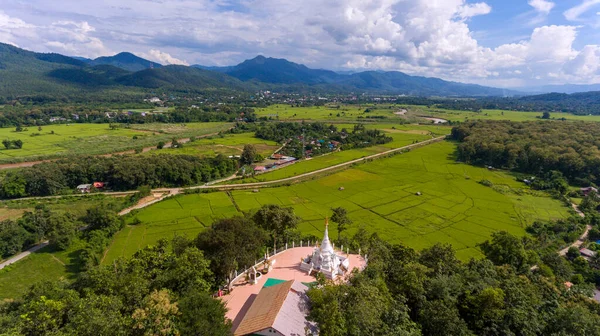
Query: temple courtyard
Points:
[286, 267]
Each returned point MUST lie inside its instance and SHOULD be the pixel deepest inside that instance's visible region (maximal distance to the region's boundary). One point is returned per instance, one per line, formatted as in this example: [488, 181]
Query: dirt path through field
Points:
[582, 238]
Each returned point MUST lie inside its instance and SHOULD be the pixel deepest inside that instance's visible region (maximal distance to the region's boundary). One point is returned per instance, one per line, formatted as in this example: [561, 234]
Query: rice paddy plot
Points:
[226, 144]
[328, 160]
[493, 115]
[416, 198]
[83, 139]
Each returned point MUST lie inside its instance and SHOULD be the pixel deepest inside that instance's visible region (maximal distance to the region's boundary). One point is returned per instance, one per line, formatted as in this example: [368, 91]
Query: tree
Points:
[7, 143]
[231, 244]
[99, 218]
[340, 217]
[277, 220]
[17, 144]
[62, 229]
[442, 318]
[546, 115]
[157, 316]
[160, 145]
[248, 154]
[505, 249]
[39, 128]
[200, 314]
[573, 252]
[440, 258]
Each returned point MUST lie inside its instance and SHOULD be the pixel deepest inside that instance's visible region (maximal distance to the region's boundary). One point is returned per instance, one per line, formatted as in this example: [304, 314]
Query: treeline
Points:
[583, 103]
[538, 148]
[39, 116]
[119, 172]
[33, 227]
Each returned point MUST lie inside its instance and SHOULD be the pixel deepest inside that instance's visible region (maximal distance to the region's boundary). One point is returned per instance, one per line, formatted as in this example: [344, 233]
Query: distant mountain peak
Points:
[126, 61]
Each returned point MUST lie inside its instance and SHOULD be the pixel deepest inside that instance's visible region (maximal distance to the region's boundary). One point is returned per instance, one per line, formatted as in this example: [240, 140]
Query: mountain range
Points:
[27, 73]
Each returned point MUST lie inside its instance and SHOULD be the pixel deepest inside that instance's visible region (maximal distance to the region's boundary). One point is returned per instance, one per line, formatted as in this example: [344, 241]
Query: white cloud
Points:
[480, 8]
[68, 37]
[542, 6]
[574, 13]
[424, 37]
[164, 58]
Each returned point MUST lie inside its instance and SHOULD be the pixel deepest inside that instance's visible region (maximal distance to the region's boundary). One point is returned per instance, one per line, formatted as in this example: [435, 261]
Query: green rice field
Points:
[494, 115]
[59, 140]
[322, 113]
[402, 135]
[227, 144]
[380, 196]
[390, 112]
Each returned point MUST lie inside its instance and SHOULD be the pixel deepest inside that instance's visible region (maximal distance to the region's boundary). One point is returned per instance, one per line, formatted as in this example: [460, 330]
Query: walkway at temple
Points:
[287, 267]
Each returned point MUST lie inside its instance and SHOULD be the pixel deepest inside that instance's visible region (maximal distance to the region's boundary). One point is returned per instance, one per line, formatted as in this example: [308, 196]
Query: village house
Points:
[84, 188]
[260, 168]
[588, 190]
[587, 253]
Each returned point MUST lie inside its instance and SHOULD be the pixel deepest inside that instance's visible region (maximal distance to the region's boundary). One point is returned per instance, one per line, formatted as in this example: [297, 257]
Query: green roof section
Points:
[272, 282]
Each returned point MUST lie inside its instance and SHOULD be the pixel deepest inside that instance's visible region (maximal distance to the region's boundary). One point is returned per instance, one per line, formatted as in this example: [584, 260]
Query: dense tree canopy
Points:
[119, 172]
[571, 148]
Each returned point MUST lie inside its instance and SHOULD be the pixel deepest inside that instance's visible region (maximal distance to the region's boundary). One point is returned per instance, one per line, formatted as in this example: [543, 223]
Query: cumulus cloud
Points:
[424, 37]
[542, 6]
[68, 37]
[164, 58]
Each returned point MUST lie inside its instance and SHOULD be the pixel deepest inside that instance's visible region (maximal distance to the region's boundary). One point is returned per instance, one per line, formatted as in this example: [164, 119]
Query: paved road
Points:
[581, 239]
[23, 254]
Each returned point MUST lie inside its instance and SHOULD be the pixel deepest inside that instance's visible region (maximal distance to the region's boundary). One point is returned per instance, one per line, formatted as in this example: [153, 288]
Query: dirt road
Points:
[581, 239]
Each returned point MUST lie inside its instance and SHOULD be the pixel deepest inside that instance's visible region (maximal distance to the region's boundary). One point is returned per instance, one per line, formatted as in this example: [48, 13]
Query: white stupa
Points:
[325, 260]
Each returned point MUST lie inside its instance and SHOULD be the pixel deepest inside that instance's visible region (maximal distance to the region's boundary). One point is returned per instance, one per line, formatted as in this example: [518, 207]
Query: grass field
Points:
[493, 115]
[380, 196]
[389, 111]
[60, 140]
[322, 113]
[402, 134]
[45, 264]
[227, 144]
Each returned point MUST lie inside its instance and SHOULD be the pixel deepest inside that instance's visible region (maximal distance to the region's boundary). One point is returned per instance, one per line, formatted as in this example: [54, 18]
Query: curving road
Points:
[583, 236]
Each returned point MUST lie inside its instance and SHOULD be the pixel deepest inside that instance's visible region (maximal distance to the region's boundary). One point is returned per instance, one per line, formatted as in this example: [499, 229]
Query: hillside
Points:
[180, 77]
[25, 73]
[280, 71]
[126, 61]
[283, 72]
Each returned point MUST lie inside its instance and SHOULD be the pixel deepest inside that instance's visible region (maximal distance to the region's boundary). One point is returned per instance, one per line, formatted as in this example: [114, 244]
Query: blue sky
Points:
[508, 43]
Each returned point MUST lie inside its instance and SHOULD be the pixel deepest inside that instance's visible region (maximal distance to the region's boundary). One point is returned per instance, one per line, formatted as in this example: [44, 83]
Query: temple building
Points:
[325, 260]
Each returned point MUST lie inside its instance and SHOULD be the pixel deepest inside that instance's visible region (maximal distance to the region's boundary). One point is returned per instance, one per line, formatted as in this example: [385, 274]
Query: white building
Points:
[325, 260]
